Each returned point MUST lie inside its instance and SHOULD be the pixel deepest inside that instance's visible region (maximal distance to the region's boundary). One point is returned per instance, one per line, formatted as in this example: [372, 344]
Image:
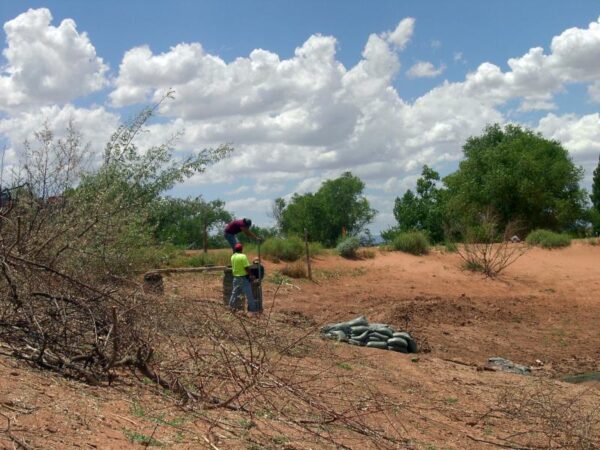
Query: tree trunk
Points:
[205, 240]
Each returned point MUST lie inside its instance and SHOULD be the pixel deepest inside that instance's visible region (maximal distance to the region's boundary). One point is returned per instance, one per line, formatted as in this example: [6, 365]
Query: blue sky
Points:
[378, 88]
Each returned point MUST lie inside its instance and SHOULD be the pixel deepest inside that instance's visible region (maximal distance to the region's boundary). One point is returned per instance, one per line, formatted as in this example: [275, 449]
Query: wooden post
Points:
[307, 255]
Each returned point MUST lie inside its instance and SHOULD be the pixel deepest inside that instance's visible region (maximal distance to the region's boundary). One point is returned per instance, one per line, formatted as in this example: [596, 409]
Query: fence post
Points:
[307, 255]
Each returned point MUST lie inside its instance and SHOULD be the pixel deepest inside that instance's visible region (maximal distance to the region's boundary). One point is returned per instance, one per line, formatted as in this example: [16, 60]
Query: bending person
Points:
[236, 226]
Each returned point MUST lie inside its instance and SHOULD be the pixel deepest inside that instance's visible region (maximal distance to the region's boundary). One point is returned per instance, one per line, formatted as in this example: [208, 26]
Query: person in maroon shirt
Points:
[236, 226]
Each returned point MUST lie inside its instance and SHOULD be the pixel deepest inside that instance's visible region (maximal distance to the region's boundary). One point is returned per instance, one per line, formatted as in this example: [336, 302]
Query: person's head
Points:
[247, 222]
[238, 247]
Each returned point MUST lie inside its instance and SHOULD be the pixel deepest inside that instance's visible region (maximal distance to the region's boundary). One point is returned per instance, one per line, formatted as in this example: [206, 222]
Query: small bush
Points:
[414, 242]
[294, 270]
[315, 248]
[548, 239]
[450, 247]
[348, 247]
[366, 253]
[290, 249]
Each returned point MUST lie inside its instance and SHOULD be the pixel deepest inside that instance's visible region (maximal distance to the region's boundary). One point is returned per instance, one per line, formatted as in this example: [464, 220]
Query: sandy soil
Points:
[544, 308]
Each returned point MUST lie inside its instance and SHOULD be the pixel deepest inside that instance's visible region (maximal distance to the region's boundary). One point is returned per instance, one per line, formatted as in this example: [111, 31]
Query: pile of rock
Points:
[375, 335]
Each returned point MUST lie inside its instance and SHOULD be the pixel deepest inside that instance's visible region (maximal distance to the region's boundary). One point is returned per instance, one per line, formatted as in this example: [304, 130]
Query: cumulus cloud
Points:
[579, 134]
[400, 37]
[47, 64]
[95, 124]
[425, 69]
[297, 121]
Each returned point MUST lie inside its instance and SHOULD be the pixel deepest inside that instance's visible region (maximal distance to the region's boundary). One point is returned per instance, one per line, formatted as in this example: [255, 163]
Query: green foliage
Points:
[594, 218]
[450, 246]
[289, 249]
[104, 213]
[348, 247]
[187, 222]
[595, 196]
[338, 205]
[425, 210]
[414, 242]
[520, 176]
[263, 232]
[548, 239]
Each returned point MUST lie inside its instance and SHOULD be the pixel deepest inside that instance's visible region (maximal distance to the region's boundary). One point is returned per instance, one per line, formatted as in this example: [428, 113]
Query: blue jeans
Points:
[242, 284]
[231, 239]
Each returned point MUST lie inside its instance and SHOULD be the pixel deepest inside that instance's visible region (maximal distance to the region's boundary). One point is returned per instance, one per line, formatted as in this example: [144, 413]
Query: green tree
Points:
[519, 175]
[187, 221]
[423, 211]
[595, 196]
[277, 213]
[339, 205]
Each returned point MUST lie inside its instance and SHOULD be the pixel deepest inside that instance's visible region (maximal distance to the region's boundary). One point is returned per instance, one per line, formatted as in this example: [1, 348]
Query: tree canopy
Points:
[423, 211]
[187, 221]
[520, 176]
[338, 206]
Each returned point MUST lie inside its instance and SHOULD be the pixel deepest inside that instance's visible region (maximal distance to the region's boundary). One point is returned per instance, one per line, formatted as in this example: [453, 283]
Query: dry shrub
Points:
[366, 253]
[295, 270]
[547, 416]
[489, 251]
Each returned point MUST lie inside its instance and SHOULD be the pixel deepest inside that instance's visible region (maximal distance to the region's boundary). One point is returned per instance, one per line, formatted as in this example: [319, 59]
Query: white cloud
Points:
[594, 92]
[425, 69]
[47, 64]
[401, 36]
[95, 124]
[297, 121]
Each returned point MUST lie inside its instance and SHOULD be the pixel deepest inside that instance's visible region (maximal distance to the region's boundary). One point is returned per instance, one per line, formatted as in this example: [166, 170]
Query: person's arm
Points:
[249, 233]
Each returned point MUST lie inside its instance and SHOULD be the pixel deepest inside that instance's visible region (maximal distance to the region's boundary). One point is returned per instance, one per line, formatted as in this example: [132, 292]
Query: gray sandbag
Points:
[398, 342]
[359, 329]
[333, 327]
[412, 345]
[360, 337]
[375, 344]
[376, 339]
[362, 320]
[381, 337]
[382, 329]
[339, 335]
[402, 334]
[355, 342]
[397, 349]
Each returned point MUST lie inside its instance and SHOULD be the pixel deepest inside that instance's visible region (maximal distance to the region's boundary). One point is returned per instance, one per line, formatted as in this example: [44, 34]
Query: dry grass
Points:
[295, 270]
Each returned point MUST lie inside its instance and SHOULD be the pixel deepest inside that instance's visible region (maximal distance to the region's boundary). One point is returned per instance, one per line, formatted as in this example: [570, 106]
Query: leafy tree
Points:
[595, 196]
[277, 212]
[519, 175]
[339, 205]
[423, 211]
[188, 221]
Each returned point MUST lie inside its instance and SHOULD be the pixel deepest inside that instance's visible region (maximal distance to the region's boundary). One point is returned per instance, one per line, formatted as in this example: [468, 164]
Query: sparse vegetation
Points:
[548, 239]
[347, 248]
[284, 249]
[487, 250]
[296, 269]
[413, 242]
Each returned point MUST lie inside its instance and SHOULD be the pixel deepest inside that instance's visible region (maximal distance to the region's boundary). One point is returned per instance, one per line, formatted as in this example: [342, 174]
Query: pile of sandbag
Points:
[375, 335]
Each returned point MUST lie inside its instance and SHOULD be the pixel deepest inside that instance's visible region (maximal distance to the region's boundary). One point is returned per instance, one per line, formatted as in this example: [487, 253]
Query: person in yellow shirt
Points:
[240, 267]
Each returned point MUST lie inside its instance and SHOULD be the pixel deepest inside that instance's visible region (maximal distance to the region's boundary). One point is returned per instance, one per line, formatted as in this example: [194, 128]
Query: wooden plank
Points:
[176, 270]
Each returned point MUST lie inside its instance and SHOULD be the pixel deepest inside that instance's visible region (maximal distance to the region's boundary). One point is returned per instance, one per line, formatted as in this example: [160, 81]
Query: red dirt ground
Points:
[545, 307]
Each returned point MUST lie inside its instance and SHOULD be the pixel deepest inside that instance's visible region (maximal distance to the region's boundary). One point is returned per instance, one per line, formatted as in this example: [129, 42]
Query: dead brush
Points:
[294, 270]
[487, 250]
[545, 416]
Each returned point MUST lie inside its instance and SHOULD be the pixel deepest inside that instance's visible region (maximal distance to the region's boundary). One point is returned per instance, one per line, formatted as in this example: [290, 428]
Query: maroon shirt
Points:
[235, 226]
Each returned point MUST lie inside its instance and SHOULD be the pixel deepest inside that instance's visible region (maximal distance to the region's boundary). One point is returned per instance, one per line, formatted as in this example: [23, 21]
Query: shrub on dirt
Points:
[284, 249]
[214, 258]
[486, 249]
[294, 270]
[348, 247]
[366, 253]
[450, 247]
[413, 242]
[548, 239]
